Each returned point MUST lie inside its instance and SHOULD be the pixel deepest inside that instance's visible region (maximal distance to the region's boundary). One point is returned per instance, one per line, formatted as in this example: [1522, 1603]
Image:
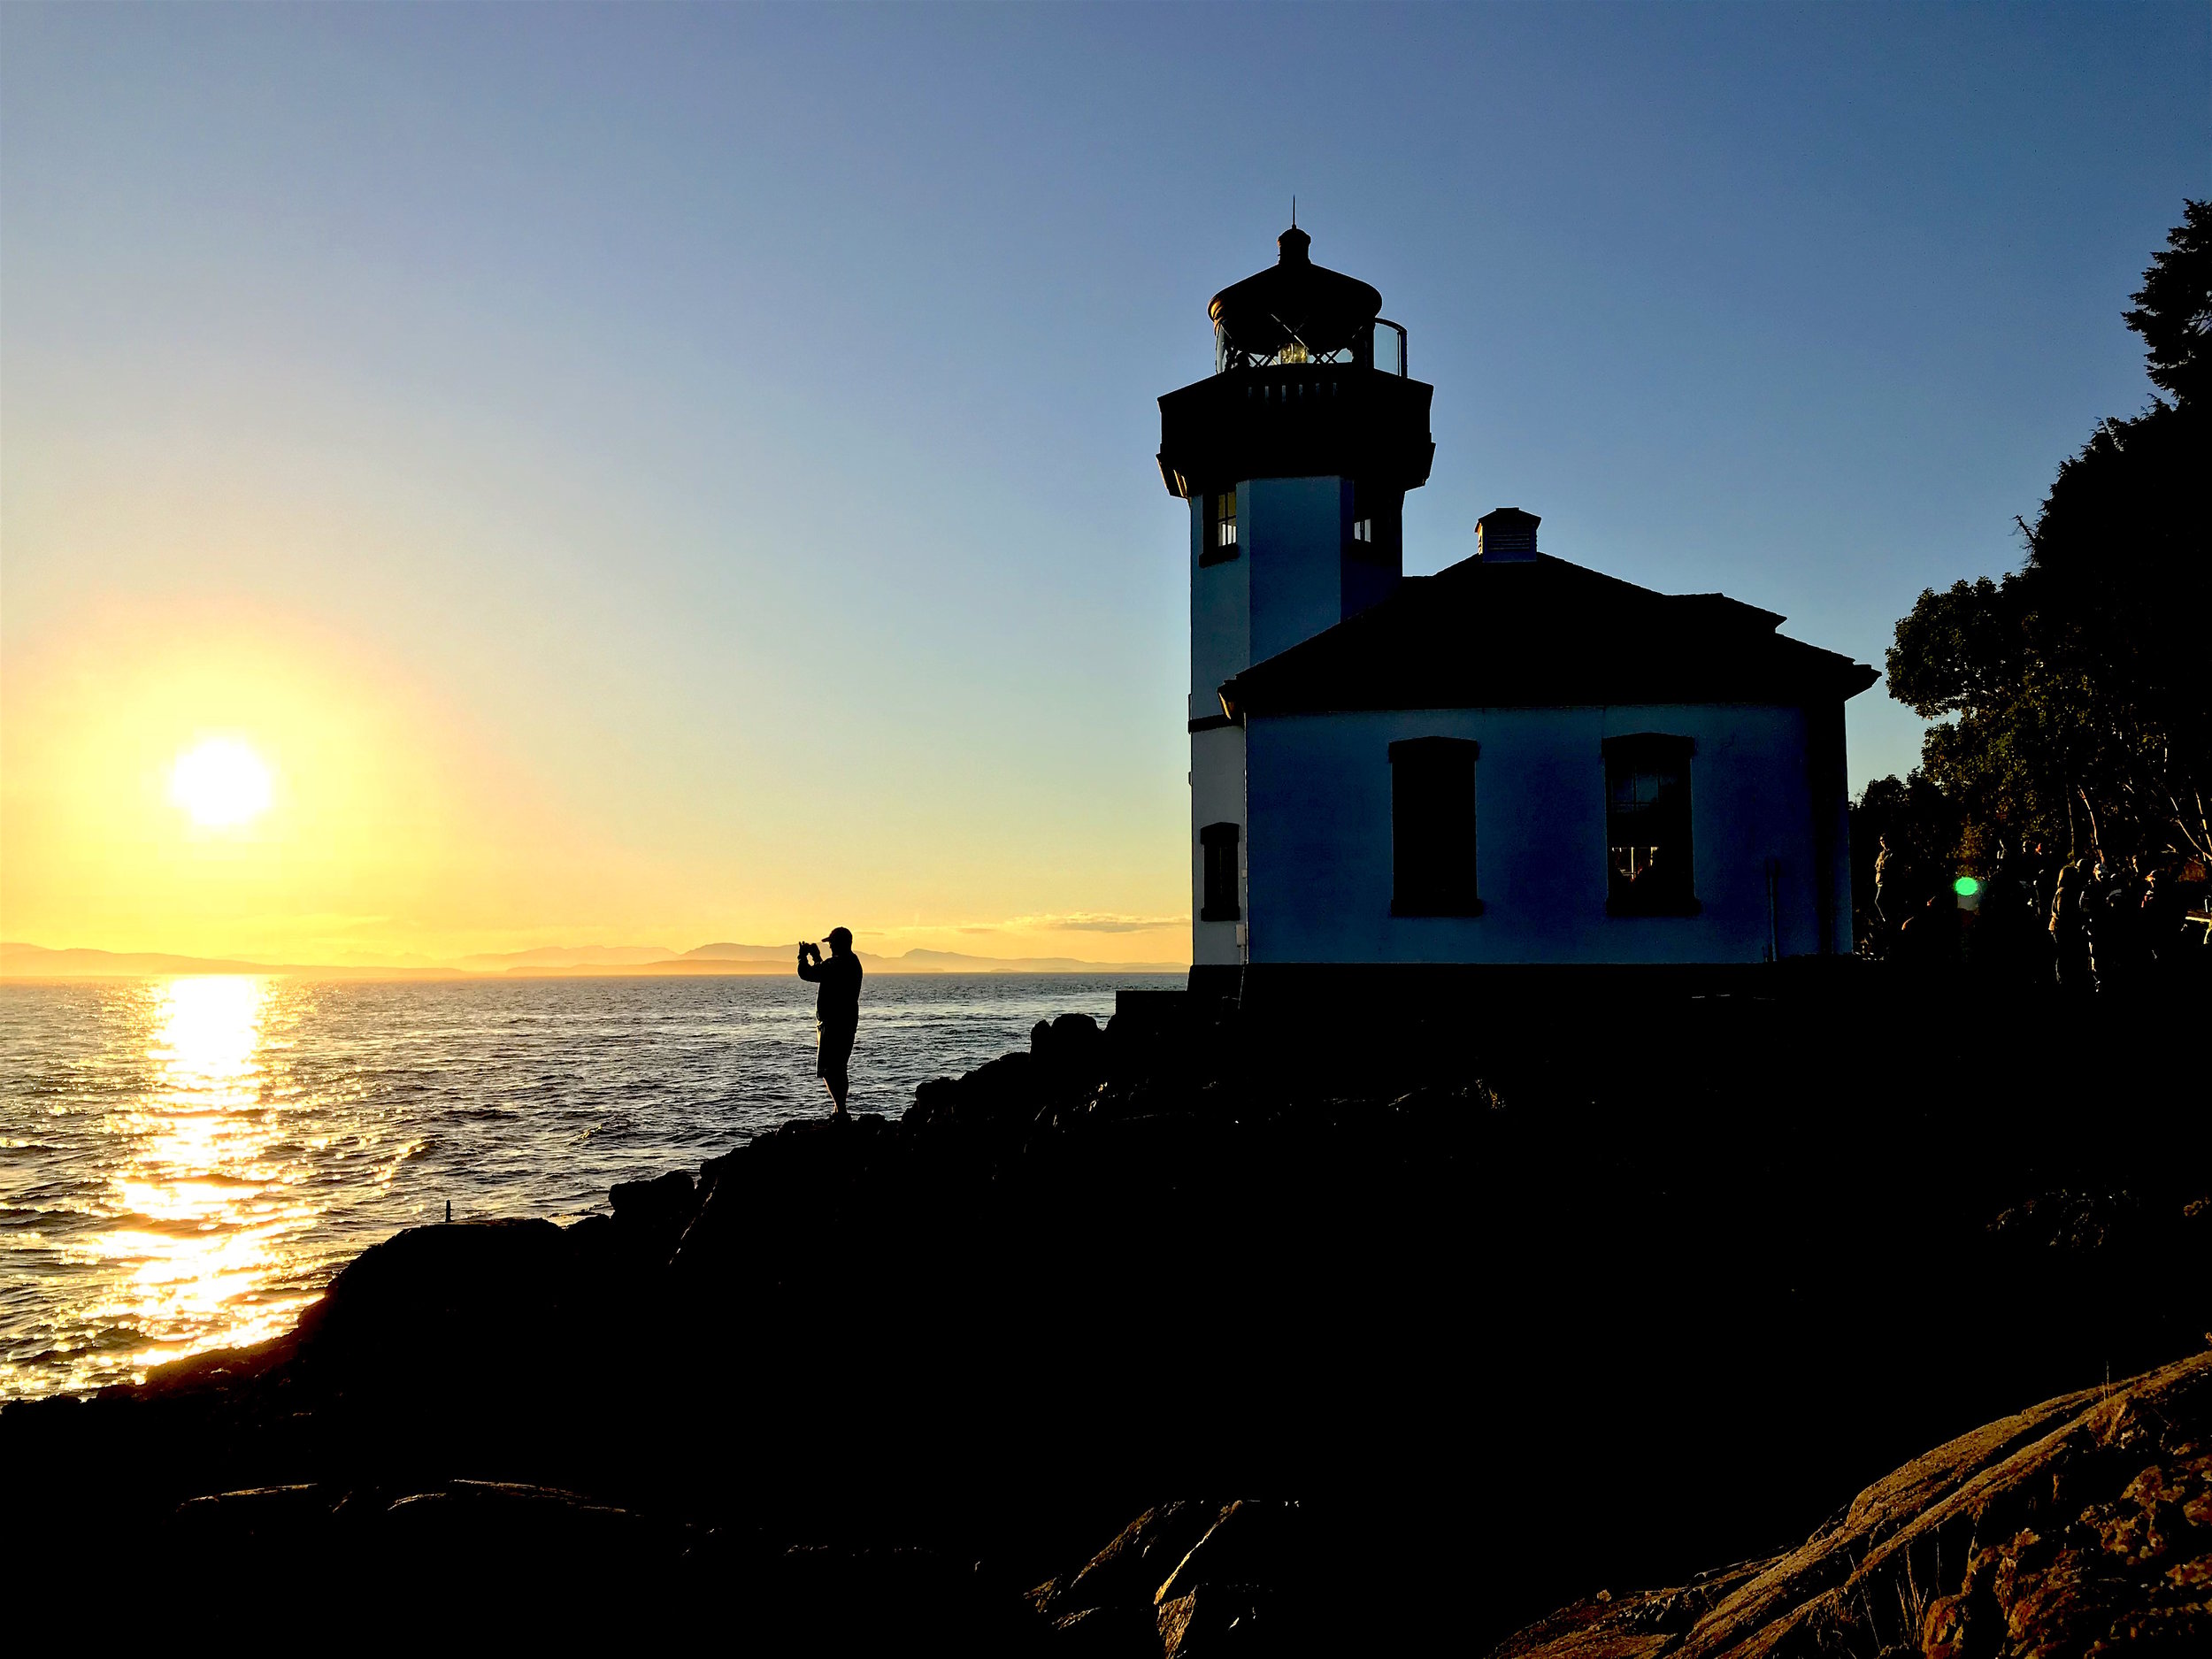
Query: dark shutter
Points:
[1432, 827]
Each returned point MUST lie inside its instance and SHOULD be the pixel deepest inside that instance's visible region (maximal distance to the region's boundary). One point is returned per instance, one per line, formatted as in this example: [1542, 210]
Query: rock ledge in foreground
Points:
[2081, 1524]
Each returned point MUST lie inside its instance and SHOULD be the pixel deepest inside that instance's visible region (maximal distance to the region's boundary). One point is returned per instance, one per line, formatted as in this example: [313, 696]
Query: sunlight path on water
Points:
[207, 1197]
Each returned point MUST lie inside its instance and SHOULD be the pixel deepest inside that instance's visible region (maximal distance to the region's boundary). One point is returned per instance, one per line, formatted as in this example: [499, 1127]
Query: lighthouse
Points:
[1295, 455]
[1517, 772]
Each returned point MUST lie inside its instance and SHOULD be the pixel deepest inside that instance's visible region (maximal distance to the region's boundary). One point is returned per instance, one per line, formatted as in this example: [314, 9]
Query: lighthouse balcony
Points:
[1298, 419]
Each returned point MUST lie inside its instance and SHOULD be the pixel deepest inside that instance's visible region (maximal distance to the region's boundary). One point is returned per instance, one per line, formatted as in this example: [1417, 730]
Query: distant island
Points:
[20, 961]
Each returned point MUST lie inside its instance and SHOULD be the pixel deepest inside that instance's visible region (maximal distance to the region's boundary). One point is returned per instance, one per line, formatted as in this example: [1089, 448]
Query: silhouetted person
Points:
[2165, 927]
[2070, 931]
[836, 1011]
[1998, 946]
[2114, 909]
[1886, 872]
[2043, 868]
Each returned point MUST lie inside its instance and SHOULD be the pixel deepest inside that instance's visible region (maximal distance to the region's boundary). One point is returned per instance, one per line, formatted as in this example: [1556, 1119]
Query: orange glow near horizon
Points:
[234, 784]
[239, 785]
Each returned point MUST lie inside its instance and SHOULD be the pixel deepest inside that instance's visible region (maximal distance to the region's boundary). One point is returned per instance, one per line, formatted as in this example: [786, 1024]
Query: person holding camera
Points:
[836, 1012]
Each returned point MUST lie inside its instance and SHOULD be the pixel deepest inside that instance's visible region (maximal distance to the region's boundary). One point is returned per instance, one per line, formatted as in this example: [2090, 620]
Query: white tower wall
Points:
[1297, 532]
[1297, 572]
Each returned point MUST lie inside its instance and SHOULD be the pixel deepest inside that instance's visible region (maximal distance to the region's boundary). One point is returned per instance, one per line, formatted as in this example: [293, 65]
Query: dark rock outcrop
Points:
[1192, 1578]
[1110, 1605]
[500, 1537]
[509, 1559]
[649, 1216]
[1245, 1587]
[1071, 1046]
[443, 1288]
[1002, 1094]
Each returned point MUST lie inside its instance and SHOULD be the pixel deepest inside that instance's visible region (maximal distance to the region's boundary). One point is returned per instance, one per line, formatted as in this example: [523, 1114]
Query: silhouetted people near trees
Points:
[836, 1011]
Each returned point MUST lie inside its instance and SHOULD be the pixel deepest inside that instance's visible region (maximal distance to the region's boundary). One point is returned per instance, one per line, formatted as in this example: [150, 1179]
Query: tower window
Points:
[1375, 520]
[1432, 827]
[1220, 543]
[1649, 863]
[1217, 900]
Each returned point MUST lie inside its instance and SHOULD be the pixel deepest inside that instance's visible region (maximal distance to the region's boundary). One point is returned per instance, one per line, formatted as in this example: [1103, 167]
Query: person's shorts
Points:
[833, 1051]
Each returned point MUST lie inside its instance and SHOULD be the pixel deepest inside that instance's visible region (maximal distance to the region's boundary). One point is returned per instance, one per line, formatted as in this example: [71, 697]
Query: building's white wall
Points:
[1316, 842]
[1216, 796]
[1832, 820]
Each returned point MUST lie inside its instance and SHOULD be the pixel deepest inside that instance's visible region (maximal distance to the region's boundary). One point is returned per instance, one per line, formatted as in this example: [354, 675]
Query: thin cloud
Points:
[1094, 922]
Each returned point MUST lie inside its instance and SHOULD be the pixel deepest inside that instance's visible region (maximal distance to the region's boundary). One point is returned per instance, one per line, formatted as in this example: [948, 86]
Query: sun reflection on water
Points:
[203, 1202]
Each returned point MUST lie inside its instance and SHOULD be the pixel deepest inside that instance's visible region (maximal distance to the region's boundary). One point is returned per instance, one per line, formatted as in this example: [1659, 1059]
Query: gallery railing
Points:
[1380, 344]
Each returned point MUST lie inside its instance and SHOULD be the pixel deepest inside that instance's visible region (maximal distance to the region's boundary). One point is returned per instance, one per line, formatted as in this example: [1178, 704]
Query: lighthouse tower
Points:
[1295, 457]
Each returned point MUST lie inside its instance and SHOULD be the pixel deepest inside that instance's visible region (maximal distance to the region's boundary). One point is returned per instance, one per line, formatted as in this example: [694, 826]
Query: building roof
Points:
[1538, 630]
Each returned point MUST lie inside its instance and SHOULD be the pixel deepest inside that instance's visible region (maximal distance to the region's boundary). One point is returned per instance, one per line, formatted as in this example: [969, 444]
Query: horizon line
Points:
[675, 966]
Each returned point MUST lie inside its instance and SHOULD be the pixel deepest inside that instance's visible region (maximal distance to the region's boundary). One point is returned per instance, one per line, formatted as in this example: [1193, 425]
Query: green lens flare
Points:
[1966, 886]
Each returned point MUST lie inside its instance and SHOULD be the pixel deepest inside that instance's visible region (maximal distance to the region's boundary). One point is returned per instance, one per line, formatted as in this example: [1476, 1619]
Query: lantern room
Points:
[1297, 311]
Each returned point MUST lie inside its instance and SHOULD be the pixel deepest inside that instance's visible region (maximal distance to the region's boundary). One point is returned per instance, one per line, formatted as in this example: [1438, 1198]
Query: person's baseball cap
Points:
[840, 936]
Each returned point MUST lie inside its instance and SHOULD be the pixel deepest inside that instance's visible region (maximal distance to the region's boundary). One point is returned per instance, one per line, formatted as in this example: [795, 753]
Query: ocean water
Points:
[184, 1163]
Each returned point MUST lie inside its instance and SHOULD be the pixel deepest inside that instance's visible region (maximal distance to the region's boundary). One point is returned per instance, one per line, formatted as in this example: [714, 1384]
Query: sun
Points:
[221, 782]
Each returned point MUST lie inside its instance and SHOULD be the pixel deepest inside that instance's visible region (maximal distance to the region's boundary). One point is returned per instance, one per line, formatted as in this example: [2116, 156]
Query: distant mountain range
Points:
[37, 962]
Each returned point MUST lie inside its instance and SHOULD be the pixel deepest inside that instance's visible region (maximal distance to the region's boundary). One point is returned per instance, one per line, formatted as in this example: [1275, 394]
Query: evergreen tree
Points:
[2079, 682]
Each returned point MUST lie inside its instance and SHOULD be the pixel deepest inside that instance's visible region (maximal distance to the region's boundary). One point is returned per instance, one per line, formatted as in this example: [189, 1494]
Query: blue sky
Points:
[740, 420]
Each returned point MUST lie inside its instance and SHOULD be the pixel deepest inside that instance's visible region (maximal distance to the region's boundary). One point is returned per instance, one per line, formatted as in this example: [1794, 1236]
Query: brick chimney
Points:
[1504, 534]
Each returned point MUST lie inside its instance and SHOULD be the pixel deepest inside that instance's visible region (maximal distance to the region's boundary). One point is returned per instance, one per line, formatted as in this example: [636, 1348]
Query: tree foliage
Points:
[2077, 687]
[2173, 308]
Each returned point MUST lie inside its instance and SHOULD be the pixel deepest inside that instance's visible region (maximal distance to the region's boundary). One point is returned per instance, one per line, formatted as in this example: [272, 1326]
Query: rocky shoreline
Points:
[1579, 1321]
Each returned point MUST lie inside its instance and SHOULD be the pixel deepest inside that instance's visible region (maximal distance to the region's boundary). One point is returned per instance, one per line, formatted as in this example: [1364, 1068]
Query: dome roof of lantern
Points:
[1295, 299]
